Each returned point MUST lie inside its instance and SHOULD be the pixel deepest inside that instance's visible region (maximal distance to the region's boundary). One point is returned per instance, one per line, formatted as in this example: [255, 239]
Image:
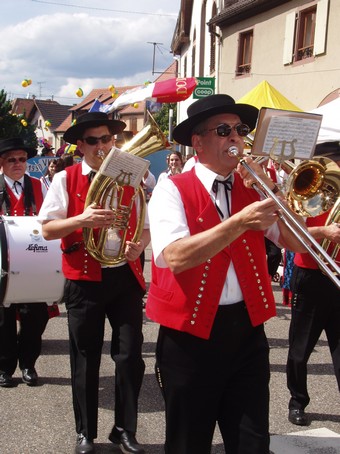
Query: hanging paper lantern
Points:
[79, 93]
[24, 122]
[112, 88]
[115, 94]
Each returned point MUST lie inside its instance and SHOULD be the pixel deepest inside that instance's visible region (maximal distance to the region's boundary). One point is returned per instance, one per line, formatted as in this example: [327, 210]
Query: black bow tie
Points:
[17, 187]
[91, 175]
[228, 185]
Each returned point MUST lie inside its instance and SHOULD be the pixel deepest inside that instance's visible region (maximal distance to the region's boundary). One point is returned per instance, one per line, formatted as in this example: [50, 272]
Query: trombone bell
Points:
[313, 187]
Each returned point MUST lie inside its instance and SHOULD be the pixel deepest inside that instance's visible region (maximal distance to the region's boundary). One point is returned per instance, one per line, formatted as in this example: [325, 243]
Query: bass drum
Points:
[30, 266]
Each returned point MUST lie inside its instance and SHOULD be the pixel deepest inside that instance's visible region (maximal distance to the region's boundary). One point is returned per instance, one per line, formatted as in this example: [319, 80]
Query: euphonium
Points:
[107, 192]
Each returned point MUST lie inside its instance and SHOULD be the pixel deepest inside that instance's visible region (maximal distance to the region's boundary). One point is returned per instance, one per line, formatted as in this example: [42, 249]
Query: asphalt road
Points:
[40, 419]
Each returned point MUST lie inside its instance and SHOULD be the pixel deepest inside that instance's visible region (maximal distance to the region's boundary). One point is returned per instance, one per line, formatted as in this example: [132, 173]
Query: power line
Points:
[105, 9]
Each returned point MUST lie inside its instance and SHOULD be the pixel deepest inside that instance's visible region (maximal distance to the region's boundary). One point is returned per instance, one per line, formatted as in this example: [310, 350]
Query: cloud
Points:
[61, 52]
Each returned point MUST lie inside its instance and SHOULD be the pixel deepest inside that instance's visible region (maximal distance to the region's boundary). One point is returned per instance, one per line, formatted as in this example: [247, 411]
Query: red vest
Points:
[188, 301]
[79, 264]
[17, 205]
[305, 260]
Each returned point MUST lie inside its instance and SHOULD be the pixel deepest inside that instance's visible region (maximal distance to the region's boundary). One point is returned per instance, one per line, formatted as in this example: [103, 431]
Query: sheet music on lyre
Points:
[125, 168]
[284, 135]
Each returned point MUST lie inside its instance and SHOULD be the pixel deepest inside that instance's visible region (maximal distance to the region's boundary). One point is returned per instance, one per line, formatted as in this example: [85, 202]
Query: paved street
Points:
[40, 419]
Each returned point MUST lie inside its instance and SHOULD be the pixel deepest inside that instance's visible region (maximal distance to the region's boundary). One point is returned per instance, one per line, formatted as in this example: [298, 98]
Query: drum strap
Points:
[29, 201]
[4, 199]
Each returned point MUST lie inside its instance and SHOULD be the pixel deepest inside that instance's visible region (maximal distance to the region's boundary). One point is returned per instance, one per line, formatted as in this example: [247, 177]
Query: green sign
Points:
[205, 87]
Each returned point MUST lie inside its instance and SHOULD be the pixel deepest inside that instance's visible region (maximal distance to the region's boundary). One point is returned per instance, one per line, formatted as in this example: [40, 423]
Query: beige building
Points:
[292, 44]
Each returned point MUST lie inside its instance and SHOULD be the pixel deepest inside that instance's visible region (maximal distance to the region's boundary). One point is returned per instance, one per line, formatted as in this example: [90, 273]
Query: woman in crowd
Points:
[175, 165]
[50, 172]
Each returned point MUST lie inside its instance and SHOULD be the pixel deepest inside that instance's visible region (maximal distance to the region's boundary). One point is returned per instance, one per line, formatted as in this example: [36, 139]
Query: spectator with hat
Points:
[210, 291]
[20, 195]
[94, 291]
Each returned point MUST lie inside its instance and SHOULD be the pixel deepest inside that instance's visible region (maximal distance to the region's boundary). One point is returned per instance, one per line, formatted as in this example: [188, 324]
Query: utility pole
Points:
[154, 51]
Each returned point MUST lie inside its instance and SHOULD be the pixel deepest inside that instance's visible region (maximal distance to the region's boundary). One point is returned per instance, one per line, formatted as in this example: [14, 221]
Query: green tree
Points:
[12, 125]
[162, 117]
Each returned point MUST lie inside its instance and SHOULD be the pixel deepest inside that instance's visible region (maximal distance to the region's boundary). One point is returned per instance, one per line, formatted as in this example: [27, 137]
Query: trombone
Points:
[301, 232]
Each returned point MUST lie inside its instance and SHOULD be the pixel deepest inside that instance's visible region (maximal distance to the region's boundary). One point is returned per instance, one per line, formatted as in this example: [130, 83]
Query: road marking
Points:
[317, 441]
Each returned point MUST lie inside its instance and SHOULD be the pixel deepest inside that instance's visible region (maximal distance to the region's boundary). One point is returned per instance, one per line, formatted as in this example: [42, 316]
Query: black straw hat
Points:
[208, 107]
[16, 143]
[92, 120]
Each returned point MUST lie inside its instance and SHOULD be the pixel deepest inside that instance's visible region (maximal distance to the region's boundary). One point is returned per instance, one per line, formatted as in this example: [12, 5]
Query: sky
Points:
[69, 44]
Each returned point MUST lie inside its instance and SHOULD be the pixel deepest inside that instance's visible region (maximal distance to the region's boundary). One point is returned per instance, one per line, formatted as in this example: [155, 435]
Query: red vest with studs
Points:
[79, 264]
[188, 301]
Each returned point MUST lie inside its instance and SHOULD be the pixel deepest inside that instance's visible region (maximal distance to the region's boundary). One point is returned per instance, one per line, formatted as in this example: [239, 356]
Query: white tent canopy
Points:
[330, 125]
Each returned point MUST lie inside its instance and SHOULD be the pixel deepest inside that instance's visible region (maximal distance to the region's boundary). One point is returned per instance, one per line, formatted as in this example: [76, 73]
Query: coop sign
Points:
[205, 87]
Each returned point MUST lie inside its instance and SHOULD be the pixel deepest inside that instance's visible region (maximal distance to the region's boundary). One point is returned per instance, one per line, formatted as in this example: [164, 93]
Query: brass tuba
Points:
[107, 192]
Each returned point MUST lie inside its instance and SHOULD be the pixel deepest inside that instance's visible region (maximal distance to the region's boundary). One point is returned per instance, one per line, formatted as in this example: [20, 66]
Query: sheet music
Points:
[284, 135]
[291, 136]
[124, 167]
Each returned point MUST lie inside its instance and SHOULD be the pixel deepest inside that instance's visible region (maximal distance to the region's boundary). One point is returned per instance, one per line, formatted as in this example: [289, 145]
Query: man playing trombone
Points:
[210, 289]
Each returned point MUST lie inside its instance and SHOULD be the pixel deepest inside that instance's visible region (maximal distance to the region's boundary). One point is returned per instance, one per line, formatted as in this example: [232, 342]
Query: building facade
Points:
[293, 44]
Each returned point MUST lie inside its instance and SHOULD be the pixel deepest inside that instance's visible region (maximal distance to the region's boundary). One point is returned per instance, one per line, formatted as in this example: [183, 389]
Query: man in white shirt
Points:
[95, 290]
[21, 195]
[210, 290]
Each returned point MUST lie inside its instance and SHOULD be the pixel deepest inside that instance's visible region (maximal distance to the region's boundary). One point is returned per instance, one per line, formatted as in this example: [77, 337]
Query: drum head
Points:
[30, 266]
[4, 261]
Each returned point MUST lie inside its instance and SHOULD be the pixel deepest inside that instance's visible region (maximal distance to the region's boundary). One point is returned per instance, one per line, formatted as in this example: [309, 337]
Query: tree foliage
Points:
[162, 117]
[12, 125]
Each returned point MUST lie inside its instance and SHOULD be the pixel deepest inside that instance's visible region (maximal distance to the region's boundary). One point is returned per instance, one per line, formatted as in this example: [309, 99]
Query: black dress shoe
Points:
[6, 380]
[126, 441]
[84, 445]
[298, 417]
[30, 377]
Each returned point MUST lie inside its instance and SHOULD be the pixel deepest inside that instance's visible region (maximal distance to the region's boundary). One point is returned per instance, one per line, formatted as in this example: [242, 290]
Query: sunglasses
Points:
[94, 140]
[224, 130]
[13, 160]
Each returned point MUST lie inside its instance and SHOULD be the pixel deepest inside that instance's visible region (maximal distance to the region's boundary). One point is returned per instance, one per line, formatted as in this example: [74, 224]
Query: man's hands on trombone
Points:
[288, 239]
[249, 179]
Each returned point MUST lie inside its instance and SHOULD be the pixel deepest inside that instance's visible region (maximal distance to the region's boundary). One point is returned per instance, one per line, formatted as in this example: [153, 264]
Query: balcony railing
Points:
[305, 52]
[243, 69]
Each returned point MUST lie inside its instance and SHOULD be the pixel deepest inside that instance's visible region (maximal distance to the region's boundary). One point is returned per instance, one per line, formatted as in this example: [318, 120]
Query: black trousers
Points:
[21, 346]
[118, 297]
[224, 379]
[315, 307]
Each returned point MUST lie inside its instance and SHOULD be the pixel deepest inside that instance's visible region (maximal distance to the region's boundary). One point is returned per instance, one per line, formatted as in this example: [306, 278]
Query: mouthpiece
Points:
[101, 154]
[233, 151]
